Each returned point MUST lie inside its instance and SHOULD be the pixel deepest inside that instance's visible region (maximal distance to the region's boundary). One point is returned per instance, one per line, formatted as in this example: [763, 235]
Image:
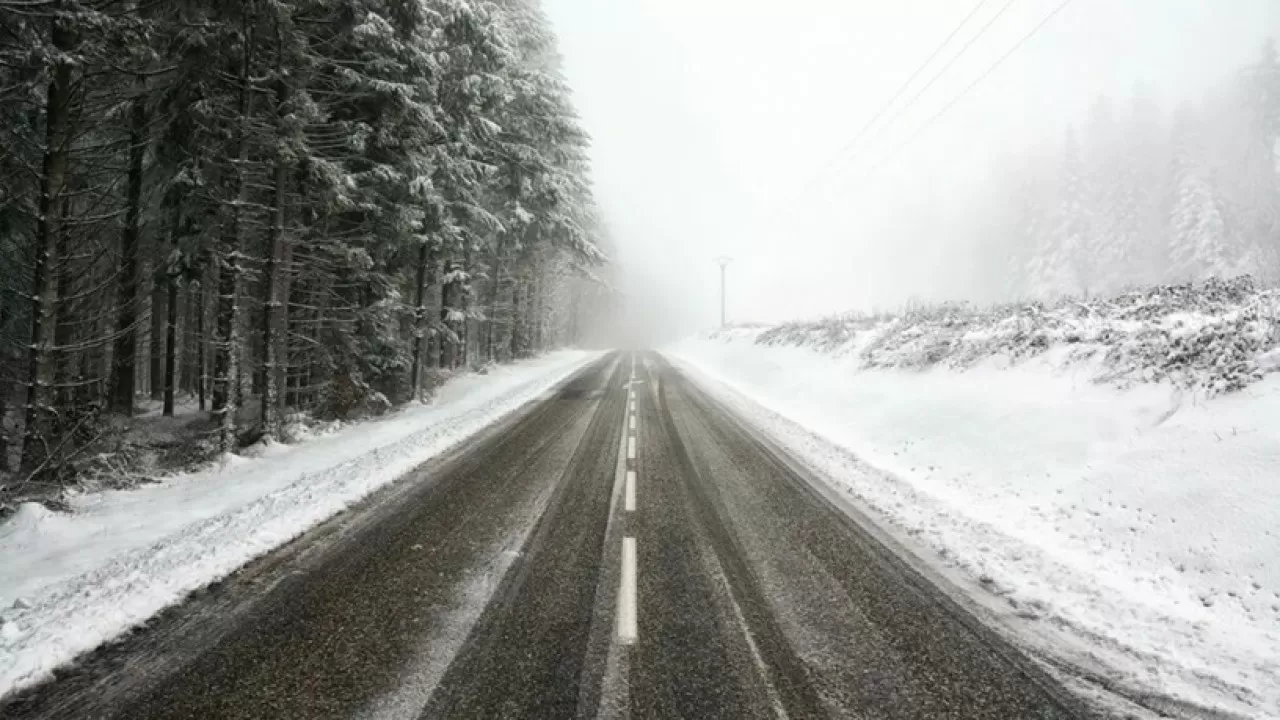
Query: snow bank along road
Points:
[625, 548]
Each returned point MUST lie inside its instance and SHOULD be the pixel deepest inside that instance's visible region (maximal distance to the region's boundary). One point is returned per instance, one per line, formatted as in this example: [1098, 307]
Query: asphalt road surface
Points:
[624, 547]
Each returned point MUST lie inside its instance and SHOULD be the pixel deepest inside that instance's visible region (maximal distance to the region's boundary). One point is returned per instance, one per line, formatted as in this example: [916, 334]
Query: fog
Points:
[724, 127]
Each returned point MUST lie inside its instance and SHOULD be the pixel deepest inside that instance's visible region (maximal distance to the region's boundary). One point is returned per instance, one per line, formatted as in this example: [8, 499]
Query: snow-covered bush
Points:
[1205, 335]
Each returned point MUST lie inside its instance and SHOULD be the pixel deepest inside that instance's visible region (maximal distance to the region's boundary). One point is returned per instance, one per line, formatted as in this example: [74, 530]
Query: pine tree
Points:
[298, 205]
[1062, 264]
[1200, 246]
[1103, 192]
[1256, 172]
[1150, 189]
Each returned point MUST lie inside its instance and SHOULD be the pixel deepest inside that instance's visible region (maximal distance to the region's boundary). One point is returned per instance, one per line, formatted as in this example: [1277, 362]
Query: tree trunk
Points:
[171, 346]
[434, 338]
[419, 314]
[271, 304]
[446, 327]
[202, 362]
[316, 300]
[517, 318]
[297, 328]
[575, 319]
[226, 365]
[463, 299]
[5, 391]
[52, 180]
[227, 337]
[283, 317]
[171, 314]
[156, 349]
[272, 291]
[60, 355]
[271, 307]
[492, 316]
[125, 353]
[452, 297]
[537, 311]
[188, 371]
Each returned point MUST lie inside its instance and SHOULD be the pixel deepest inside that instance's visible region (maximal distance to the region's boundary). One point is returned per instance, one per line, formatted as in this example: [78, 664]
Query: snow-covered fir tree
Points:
[1138, 196]
[276, 207]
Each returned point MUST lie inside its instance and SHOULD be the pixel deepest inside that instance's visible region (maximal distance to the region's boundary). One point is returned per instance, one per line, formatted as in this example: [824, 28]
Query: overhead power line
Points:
[952, 103]
[836, 159]
[936, 77]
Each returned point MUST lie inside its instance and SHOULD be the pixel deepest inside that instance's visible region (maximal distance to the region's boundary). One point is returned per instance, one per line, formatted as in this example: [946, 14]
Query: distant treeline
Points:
[1137, 195]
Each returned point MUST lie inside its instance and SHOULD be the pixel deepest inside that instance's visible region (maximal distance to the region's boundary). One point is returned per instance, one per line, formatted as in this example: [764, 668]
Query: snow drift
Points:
[1102, 474]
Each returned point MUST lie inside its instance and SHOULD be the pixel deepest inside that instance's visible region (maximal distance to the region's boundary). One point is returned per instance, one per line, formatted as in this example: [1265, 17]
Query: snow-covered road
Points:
[626, 547]
[1124, 538]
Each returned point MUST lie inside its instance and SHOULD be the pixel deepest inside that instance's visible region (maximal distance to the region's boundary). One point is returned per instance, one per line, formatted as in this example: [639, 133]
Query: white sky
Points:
[713, 122]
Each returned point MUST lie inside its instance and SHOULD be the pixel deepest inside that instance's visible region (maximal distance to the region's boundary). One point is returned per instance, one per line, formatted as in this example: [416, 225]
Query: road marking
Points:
[627, 631]
[631, 448]
[631, 491]
[633, 421]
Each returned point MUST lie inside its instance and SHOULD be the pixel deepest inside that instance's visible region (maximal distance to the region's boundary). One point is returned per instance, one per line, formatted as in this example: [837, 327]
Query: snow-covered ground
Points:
[1133, 532]
[69, 582]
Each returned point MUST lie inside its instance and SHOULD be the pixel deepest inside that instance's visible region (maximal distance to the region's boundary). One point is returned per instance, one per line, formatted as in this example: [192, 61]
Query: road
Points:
[622, 548]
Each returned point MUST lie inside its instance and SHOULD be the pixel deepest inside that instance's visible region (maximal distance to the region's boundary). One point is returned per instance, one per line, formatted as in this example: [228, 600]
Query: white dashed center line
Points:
[627, 631]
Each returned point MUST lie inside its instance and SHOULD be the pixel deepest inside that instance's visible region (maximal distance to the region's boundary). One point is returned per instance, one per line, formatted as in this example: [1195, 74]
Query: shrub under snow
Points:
[1219, 335]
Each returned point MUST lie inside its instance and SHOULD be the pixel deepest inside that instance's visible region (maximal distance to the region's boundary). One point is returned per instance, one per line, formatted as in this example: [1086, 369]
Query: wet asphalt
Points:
[486, 584]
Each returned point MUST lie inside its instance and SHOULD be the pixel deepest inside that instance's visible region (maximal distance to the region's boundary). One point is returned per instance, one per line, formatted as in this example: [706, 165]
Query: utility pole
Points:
[723, 262]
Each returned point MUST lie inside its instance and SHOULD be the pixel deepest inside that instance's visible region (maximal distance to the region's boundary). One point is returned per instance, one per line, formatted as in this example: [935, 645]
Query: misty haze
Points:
[640, 359]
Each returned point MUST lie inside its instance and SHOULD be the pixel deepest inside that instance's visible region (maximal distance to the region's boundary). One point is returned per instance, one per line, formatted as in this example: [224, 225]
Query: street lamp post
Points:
[723, 262]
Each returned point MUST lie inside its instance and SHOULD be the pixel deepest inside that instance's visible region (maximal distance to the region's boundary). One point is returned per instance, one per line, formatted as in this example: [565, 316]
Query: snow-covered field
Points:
[69, 582]
[1131, 531]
